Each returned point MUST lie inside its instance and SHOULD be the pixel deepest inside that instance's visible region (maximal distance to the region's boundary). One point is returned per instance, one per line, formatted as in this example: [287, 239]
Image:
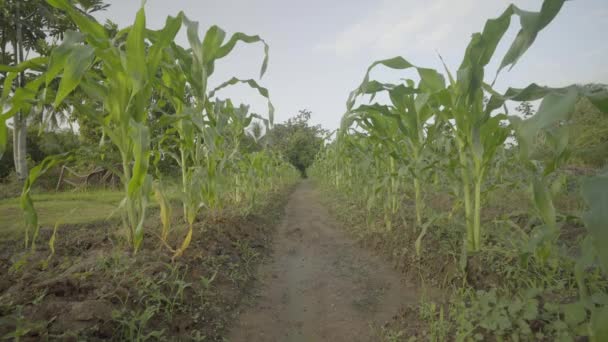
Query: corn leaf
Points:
[162, 39]
[555, 107]
[37, 63]
[253, 84]
[77, 63]
[136, 53]
[26, 202]
[531, 24]
[430, 79]
[595, 192]
[60, 54]
[239, 36]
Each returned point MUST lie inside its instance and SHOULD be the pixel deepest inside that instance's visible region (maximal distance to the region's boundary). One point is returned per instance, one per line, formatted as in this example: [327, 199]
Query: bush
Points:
[39, 146]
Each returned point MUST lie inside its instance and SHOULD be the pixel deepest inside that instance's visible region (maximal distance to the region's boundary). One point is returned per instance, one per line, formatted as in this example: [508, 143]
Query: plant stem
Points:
[466, 188]
[418, 199]
[130, 222]
[477, 215]
[184, 182]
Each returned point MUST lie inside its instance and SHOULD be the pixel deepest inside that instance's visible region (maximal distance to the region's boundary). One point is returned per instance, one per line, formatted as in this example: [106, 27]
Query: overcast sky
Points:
[319, 50]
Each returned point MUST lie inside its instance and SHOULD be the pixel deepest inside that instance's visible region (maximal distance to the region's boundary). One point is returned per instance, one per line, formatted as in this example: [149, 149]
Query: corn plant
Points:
[123, 80]
[201, 124]
[27, 204]
[24, 100]
[595, 192]
[477, 132]
[460, 105]
[411, 110]
[469, 120]
[382, 138]
[165, 210]
[125, 77]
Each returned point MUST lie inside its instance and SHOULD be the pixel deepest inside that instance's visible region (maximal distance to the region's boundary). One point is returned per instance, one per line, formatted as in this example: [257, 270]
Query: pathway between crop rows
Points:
[319, 286]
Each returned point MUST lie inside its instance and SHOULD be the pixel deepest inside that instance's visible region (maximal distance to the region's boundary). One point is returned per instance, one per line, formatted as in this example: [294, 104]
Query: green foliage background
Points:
[298, 140]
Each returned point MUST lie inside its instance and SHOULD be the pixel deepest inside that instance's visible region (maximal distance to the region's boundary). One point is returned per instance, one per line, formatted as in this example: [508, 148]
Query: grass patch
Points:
[73, 207]
[66, 207]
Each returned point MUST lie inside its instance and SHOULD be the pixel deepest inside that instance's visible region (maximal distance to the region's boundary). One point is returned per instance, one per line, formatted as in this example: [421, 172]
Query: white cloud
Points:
[396, 24]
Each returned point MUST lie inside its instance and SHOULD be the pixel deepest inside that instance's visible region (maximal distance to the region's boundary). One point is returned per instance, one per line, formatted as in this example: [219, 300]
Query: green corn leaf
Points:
[595, 192]
[161, 40]
[544, 202]
[211, 45]
[37, 63]
[493, 31]
[26, 202]
[531, 24]
[239, 36]
[398, 63]
[136, 52]
[533, 92]
[421, 101]
[479, 52]
[25, 97]
[77, 63]
[373, 87]
[599, 328]
[7, 87]
[94, 89]
[60, 54]
[554, 108]
[431, 80]
[493, 135]
[393, 63]
[140, 137]
[483, 45]
[253, 84]
[598, 96]
[530, 93]
[193, 38]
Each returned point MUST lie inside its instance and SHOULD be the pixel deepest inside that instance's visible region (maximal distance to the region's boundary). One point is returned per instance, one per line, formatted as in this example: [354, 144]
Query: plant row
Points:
[452, 133]
[152, 101]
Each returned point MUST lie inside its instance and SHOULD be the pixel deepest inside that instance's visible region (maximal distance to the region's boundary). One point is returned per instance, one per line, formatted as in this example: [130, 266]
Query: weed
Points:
[133, 325]
[248, 255]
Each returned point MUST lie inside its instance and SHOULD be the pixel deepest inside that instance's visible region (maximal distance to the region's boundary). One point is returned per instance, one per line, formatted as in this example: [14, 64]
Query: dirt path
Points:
[319, 286]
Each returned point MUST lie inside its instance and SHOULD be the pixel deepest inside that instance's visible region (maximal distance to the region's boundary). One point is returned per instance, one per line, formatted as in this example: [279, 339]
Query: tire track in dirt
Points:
[319, 285]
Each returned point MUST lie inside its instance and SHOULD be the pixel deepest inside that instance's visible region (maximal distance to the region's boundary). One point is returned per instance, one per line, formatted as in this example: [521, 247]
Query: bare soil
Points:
[320, 285]
[94, 287]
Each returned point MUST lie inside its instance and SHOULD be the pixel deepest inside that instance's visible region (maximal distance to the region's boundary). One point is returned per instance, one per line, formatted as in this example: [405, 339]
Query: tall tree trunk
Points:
[19, 120]
[3, 59]
[20, 134]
